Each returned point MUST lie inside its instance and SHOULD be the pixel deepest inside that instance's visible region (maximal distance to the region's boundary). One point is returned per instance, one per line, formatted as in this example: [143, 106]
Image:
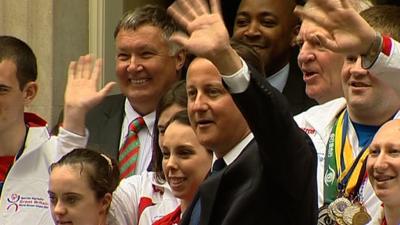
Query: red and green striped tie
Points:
[129, 152]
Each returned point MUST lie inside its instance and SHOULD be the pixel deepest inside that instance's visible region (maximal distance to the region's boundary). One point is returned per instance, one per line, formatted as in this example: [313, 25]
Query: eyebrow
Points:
[139, 46]
[185, 146]
[263, 13]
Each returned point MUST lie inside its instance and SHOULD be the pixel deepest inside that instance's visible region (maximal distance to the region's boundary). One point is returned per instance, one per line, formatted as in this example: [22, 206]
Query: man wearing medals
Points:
[342, 129]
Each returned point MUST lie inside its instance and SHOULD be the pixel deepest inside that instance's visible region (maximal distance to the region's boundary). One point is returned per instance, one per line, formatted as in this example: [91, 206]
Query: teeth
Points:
[141, 81]
[383, 178]
[357, 84]
[175, 180]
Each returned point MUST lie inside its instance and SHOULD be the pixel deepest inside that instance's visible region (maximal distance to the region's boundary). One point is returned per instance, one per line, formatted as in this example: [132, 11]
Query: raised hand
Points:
[81, 93]
[348, 32]
[208, 36]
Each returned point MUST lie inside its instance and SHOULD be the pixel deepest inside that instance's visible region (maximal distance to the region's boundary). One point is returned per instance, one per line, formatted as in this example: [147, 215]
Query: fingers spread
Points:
[97, 70]
[107, 88]
[327, 43]
[175, 11]
[215, 6]
[201, 6]
[72, 69]
[180, 39]
[86, 67]
[79, 67]
[346, 4]
[191, 9]
[299, 11]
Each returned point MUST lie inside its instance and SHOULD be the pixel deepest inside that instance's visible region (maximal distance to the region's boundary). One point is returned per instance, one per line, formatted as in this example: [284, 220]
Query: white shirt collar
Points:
[279, 79]
[131, 114]
[235, 151]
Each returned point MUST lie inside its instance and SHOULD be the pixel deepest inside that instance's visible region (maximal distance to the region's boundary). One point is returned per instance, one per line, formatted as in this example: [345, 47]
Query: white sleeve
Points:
[239, 81]
[388, 67]
[125, 202]
[68, 141]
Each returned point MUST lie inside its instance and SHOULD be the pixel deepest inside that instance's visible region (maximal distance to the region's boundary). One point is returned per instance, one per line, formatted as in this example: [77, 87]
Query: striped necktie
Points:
[129, 152]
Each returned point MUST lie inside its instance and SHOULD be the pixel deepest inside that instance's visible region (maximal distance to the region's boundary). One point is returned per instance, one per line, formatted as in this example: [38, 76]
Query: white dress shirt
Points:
[145, 136]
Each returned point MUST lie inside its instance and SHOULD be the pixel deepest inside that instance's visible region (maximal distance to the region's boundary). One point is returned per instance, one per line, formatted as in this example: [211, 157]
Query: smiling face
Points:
[185, 161]
[383, 164]
[321, 67]
[216, 120]
[269, 27]
[367, 96]
[145, 67]
[72, 201]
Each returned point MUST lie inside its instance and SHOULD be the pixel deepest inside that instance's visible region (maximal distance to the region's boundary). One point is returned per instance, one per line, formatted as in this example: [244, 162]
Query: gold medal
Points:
[349, 213]
[356, 215]
[339, 205]
[362, 217]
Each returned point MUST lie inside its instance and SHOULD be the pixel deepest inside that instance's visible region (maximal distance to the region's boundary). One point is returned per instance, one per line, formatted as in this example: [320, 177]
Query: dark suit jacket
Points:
[104, 123]
[294, 89]
[273, 181]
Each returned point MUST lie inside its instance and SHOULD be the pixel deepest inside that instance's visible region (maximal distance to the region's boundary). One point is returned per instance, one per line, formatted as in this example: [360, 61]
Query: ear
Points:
[294, 34]
[180, 59]
[30, 90]
[105, 203]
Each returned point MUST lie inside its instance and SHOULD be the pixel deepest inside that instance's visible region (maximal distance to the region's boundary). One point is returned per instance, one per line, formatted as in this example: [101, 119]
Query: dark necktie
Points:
[218, 165]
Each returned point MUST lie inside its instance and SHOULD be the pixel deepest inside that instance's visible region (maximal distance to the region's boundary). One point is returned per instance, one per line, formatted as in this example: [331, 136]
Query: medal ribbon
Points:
[344, 174]
[330, 168]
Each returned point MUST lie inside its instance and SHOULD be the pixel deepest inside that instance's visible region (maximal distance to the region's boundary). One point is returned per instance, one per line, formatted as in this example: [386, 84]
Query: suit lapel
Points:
[111, 136]
[208, 194]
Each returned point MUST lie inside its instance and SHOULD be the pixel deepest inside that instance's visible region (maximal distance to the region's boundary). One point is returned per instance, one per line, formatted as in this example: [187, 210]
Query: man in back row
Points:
[146, 67]
[271, 27]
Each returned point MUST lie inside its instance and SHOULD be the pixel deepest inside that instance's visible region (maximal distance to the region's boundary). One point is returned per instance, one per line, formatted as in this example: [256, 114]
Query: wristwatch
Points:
[368, 59]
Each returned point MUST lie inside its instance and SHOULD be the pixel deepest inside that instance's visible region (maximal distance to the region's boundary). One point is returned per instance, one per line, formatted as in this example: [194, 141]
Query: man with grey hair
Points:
[146, 67]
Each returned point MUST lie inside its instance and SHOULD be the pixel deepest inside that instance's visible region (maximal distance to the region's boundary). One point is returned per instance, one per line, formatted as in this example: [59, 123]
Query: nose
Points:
[356, 68]
[306, 54]
[59, 209]
[199, 104]
[380, 162]
[171, 163]
[252, 30]
[134, 64]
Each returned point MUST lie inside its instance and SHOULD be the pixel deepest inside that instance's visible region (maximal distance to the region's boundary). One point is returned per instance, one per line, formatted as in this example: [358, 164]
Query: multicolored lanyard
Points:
[343, 173]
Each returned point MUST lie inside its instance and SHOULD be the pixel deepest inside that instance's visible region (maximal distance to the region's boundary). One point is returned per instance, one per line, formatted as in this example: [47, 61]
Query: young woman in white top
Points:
[81, 186]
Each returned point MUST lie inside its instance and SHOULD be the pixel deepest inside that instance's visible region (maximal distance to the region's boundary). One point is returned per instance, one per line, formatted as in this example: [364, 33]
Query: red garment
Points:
[171, 218]
[5, 163]
[32, 120]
